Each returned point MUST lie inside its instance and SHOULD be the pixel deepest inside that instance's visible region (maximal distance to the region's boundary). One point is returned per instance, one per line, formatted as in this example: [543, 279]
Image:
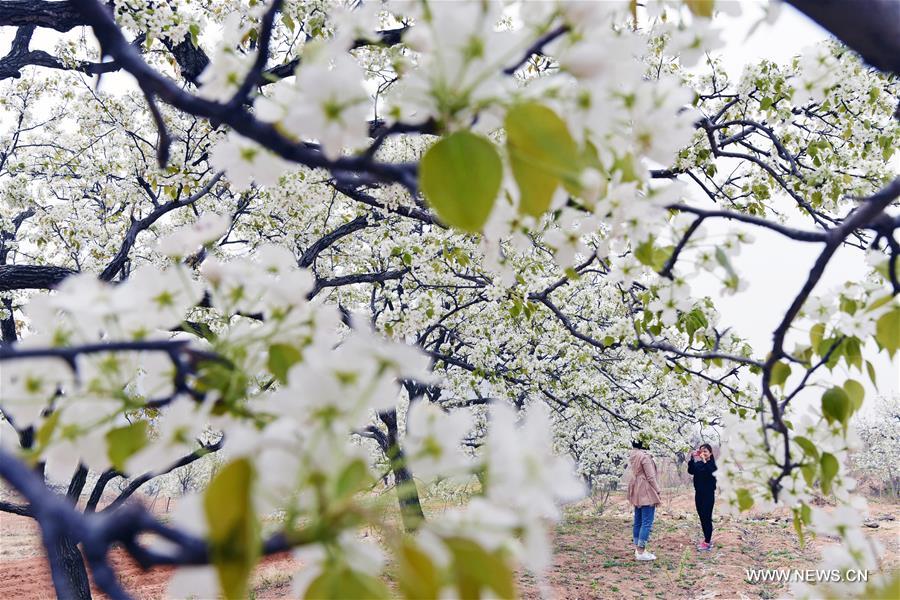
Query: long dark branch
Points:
[32, 277]
[320, 245]
[118, 261]
[871, 28]
[61, 16]
[139, 481]
[239, 119]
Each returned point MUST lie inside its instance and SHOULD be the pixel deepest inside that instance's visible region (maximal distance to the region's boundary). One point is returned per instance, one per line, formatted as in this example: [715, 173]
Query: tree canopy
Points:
[436, 241]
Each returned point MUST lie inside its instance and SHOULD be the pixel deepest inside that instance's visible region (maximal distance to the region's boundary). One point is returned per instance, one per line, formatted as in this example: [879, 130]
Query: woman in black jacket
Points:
[702, 465]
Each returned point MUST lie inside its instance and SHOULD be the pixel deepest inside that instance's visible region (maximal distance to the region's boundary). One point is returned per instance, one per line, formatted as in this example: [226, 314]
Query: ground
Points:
[593, 556]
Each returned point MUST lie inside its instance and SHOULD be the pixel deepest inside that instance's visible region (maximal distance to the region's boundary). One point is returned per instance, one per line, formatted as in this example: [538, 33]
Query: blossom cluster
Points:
[287, 385]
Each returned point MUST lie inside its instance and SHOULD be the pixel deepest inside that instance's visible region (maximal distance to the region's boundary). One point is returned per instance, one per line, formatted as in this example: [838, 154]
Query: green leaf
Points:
[806, 514]
[476, 569]
[343, 583]
[460, 177]
[281, 358]
[417, 576]
[871, 369]
[701, 8]
[354, 478]
[45, 433]
[833, 348]
[648, 253]
[194, 30]
[887, 331]
[123, 442]
[853, 353]
[808, 447]
[883, 589]
[836, 405]
[745, 500]
[233, 530]
[542, 155]
[780, 372]
[644, 252]
[693, 321]
[856, 392]
[879, 302]
[848, 305]
[830, 467]
[626, 168]
[809, 471]
[723, 260]
[231, 383]
[816, 333]
[798, 526]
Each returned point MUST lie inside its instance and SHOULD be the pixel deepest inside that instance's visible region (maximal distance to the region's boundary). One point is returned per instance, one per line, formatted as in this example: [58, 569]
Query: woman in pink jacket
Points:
[643, 494]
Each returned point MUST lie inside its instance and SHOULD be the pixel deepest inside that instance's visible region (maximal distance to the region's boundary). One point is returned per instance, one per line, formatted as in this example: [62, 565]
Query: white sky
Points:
[775, 266]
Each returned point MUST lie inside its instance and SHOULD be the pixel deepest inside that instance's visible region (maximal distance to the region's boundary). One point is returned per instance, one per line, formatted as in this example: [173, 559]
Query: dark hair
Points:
[639, 444]
[708, 447]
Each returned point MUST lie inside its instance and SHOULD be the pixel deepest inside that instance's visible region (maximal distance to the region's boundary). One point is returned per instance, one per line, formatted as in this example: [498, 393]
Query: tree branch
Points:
[32, 277]
[61, 16]
[871, 28]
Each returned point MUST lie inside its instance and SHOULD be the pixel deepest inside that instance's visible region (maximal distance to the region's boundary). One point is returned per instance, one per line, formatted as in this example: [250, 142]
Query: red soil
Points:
[29, 578]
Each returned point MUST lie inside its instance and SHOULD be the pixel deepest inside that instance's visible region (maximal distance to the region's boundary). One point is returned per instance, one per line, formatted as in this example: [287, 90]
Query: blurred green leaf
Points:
[122, 442]
[354, 478]
[871, 369]
[542, 155]
[476, 569]
[343, 583]
[780, 372]
[701, 8]
[830, 467]
[816, 333]
[856, 392]
[417, 576]
[233, 529]
[808, 447]
[460, 176]
[281, 358]
[745, 500]
[887, 331]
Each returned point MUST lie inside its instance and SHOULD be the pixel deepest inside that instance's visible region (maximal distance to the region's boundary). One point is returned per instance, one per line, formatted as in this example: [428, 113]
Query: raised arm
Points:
[696, 467]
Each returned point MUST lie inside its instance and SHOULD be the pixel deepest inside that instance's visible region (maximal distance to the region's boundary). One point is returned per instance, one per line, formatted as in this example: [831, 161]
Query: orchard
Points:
[430, 243]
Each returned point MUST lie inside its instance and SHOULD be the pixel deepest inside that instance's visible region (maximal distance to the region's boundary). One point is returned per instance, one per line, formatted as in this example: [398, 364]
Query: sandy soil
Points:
[593, 557]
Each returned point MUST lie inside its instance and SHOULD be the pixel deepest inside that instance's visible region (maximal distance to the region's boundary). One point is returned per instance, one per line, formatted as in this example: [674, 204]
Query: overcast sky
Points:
[775, 266]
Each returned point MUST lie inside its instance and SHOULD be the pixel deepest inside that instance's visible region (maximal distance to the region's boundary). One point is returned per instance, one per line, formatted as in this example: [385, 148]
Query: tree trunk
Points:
[71, 562]
[72, 567]
[407, 494]
[8, 325]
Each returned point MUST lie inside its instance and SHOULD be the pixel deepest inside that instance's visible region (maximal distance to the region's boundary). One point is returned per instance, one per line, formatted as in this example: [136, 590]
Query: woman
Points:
[643, 494]
[702, 465]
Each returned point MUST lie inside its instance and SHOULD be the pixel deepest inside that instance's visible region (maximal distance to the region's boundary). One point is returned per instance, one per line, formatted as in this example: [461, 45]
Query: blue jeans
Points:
[643, 524]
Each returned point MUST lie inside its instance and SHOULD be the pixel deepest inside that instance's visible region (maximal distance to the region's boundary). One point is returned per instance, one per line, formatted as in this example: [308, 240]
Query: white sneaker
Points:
[644, 556]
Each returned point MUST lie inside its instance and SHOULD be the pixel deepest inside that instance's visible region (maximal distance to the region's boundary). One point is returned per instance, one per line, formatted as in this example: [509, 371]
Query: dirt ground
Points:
[593, 557]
